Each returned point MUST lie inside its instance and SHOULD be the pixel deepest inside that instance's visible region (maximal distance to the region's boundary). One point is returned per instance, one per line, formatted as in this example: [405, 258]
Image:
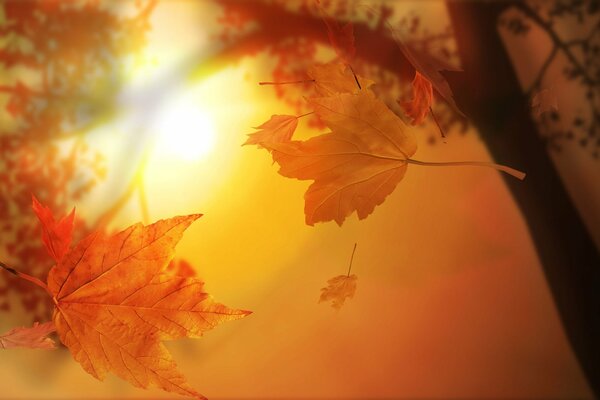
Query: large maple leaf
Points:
[115, 304]
[355, 166]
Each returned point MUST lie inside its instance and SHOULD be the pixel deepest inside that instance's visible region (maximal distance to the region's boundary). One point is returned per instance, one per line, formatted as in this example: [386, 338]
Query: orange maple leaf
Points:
[115, 304]
[116, 301]
[56, 235]
[334, 78]
[419, 106]
[34, 337]
[279, 128]
[339, 289]
[355, 166]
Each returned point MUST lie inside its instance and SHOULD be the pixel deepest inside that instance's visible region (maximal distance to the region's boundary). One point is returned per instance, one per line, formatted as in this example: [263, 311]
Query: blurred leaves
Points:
[62, 65]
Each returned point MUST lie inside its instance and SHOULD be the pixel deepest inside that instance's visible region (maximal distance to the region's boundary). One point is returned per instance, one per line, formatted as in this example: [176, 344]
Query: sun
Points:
[183, 129]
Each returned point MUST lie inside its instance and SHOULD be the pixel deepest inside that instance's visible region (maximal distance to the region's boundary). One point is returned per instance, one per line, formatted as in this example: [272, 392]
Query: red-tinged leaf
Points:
[544, 101]
[419, 106]
[430, 68]
[279, 128]
[34, 337]
[339, 289]
[56, 235]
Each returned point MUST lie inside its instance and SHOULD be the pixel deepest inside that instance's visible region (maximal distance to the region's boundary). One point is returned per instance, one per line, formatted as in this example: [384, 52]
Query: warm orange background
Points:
[451, 298]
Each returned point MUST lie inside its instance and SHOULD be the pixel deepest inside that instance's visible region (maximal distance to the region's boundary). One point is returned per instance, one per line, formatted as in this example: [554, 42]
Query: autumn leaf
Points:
[420, 105]
[543, 101]
[56, 235]
[355, 166]
[115, 305]
[334, 78]
[34, 337]
[279, 128]
[339, 289]
[430, 68]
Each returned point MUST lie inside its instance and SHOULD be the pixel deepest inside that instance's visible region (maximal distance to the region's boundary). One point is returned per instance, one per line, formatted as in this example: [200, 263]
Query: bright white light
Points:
[184, 130]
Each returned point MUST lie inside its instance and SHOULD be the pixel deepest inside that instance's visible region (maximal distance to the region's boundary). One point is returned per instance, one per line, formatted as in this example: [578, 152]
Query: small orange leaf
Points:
[279, 128]
[115, 305]
[339, 289]
[56, 235]
[32, 338]
[419, 106]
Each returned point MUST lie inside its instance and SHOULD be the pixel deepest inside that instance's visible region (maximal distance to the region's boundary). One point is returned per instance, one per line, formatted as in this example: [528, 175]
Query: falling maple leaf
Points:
[35, 337]
[115, 304]
[279, 128]
[355, 166]
[116, 301]
[359, 163]
[56, 235]
[430, 68]
[543, 101]
[420, 105]
[340, 288]
[334, 78]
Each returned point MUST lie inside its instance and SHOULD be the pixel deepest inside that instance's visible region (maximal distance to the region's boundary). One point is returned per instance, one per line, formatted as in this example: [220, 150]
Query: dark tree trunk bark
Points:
[489, 93]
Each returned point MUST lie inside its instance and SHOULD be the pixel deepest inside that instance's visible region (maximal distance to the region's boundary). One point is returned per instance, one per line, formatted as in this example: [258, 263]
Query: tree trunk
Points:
[489, 93]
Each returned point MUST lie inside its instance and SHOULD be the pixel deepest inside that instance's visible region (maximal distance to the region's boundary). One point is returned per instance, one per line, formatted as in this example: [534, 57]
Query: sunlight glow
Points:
[183, 130]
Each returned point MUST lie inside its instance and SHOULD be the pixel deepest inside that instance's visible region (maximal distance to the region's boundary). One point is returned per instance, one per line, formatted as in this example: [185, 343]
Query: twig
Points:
[351, 258]
[555, 38]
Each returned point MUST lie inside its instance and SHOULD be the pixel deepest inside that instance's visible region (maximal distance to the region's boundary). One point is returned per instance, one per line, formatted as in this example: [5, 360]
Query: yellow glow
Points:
[183, 129]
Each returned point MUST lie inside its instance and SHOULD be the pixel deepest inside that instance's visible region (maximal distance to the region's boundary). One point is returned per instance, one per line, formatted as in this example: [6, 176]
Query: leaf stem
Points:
[351, 258]
[29, 278]
[287, 82]
[511, 171]
[304, 115]
[355, 77]
[437, 123]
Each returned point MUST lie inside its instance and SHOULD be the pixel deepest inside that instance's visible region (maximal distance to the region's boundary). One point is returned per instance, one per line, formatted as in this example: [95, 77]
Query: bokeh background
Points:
[136, 111]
